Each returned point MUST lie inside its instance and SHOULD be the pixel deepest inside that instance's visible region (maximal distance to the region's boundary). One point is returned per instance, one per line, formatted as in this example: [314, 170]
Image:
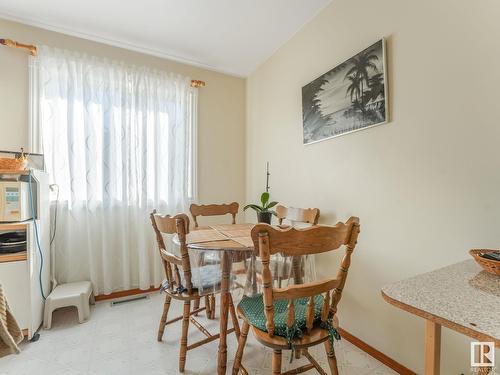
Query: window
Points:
[119, 141]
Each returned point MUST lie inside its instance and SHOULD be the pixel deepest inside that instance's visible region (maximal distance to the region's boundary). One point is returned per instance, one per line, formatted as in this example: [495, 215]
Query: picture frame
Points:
[350, 97]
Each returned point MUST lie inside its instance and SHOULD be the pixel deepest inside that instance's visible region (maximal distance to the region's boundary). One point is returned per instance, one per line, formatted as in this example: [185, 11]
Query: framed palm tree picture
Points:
[350, 97]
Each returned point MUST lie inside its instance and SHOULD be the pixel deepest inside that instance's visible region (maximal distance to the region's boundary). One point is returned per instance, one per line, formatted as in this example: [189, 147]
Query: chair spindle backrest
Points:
[294, 242]
[302, 215]
[297, 215]
[178, 224]
[214, 210]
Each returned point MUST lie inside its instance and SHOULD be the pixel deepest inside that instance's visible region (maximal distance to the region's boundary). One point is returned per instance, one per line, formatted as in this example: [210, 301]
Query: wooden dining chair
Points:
[294, 215]
[179, 285]
[300, 215]
[213, 210]
[298, 316]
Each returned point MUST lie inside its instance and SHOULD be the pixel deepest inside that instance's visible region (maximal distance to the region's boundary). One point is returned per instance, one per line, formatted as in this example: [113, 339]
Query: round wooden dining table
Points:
[233, 241]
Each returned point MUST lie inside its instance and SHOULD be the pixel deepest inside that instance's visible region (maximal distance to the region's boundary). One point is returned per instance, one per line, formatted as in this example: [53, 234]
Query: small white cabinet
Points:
[14, 276]
[20, 272]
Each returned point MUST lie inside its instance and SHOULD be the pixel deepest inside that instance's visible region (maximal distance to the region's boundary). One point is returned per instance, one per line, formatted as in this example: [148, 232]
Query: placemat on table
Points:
[236, 233]
[208, 235]
[231, 227]
[245, 241]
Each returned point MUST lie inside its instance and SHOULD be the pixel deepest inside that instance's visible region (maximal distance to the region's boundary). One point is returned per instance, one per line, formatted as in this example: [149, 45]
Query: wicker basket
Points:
[491, 266]
[12, 164]
[16, 164]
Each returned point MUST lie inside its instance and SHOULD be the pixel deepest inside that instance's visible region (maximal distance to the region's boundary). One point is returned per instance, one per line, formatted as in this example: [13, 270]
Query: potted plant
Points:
[264, 212]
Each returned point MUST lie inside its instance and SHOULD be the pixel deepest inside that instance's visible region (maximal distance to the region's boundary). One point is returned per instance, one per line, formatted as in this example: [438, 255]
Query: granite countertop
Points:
[462, 293]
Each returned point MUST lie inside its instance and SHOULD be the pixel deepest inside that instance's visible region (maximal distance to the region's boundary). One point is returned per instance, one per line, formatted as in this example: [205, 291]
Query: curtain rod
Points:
[196, 83]
[11, 43]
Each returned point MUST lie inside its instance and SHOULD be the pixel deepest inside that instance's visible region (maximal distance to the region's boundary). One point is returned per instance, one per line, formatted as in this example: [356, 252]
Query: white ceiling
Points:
[230, 36]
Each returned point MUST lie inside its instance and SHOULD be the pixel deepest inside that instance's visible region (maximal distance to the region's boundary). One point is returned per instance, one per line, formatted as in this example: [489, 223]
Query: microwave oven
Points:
[14, 201]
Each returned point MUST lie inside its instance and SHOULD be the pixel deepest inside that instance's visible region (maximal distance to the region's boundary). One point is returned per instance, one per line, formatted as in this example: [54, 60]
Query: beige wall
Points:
[221, 127]
[426, 186]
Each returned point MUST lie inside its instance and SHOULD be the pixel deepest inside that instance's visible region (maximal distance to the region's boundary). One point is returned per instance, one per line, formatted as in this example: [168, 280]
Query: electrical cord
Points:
[36, 235]
[53, 236]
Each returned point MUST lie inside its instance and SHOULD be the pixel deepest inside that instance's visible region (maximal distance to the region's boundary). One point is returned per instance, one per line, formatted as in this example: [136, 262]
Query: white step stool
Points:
[77, 294]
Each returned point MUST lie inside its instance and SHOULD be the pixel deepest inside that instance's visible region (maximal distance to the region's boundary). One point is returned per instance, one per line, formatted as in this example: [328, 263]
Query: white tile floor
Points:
[122, 340]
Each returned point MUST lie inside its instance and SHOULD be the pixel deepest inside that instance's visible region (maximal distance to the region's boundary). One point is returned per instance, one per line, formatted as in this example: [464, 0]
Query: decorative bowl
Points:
[489, 265]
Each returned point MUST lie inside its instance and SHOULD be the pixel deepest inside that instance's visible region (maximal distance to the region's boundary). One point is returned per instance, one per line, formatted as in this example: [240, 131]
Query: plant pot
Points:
[264, 217]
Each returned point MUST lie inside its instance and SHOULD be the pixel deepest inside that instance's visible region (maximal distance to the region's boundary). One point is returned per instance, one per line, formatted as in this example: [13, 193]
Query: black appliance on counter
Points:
[12, 242]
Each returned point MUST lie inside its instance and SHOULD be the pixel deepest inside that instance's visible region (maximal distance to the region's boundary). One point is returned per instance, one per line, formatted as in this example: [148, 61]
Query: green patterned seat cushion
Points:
[253, 308]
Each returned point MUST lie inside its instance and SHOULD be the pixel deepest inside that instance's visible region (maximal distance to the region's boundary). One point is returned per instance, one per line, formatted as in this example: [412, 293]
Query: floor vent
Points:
[131, 299]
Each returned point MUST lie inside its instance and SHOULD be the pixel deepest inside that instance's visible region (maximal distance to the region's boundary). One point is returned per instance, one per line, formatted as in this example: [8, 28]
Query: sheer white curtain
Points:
[118, 141]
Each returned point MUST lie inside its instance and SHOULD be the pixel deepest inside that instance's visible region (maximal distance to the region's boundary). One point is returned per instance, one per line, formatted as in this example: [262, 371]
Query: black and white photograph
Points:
[350, 97]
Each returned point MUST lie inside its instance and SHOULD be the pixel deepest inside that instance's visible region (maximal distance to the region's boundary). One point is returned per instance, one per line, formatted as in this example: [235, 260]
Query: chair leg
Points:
[185, 326]
[276, 363]
[207, 306]
[298, 354]
[163, 320]
[332, 359]
[196, 305]
[241, 347]
[234, 318]
[212, 306]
